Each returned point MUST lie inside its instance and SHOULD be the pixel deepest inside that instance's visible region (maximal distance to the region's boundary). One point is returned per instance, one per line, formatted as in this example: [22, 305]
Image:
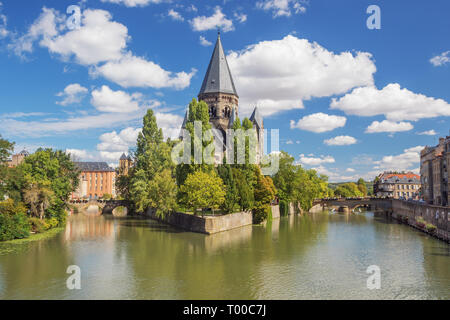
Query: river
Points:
[315, 256]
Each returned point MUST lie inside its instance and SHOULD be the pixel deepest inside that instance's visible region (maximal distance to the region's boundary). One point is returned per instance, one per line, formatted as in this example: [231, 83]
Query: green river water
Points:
[315, 256]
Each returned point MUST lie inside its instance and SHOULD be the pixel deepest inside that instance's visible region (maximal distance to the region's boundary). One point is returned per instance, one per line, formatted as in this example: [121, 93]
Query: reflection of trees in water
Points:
[35, 269]
[171, 263]
[89, 227]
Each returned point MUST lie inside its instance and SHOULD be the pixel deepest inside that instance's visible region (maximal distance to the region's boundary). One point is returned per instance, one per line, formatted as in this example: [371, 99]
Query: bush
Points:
[284, 208]
[14, 223]
[260, 214]
[38, 225]
[430, 227]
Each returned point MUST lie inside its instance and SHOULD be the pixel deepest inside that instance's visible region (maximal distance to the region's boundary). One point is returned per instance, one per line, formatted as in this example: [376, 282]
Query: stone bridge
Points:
[101, 206]
[350, 204]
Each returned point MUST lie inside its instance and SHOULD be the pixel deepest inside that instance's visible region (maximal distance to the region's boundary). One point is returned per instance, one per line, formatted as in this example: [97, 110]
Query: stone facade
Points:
[96, 180]
[397, 185]
[434, 164]
[18, 158]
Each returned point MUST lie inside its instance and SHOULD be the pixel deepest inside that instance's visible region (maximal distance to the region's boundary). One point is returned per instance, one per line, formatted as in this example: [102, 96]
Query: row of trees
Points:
[156, 182]
[351, 189]
[34, 194]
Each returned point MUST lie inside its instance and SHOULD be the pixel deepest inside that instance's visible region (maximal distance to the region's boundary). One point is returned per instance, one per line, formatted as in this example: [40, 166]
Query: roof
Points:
[93, 166]
[218, 76]
[24, 153]
[123, 157]
[232, 118]
[408, 177]
[257, 118]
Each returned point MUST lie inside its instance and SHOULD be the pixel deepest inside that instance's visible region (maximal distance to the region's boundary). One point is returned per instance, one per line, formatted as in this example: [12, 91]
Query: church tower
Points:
[218, 90]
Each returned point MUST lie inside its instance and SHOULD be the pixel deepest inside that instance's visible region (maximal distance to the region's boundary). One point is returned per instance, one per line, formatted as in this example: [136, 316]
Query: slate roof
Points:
[400, 178]
[218, 76]
[257, 118]
[93, 166]
[123, 157]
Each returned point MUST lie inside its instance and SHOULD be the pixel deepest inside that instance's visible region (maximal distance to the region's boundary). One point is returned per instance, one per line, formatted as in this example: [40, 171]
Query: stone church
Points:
[219, 92]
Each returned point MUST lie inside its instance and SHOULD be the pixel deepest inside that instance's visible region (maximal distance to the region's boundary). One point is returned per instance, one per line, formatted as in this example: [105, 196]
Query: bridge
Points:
[101, 206]
[350, 204]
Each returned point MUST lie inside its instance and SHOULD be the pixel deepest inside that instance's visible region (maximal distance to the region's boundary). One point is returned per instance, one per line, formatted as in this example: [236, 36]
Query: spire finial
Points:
[218, 31]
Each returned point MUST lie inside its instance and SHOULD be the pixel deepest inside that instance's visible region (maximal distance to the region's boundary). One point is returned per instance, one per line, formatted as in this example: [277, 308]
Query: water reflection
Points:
[315, 256]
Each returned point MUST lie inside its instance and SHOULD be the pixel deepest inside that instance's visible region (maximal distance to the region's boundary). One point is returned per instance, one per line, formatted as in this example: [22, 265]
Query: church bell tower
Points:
[218, 90]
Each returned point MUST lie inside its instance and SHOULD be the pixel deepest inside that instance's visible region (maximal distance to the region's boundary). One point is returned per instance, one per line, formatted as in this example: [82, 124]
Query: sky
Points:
[349, 101]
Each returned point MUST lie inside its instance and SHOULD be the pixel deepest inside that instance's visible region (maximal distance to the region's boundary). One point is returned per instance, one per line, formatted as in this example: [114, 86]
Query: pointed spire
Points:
[218, 76]
[257, 118]
[123, 157]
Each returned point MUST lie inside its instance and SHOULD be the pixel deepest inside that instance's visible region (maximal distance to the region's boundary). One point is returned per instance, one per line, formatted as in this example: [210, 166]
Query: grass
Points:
[36, 236]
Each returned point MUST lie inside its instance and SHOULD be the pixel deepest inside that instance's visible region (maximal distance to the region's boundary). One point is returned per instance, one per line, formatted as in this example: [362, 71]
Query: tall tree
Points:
[231, 197]
[6, 149]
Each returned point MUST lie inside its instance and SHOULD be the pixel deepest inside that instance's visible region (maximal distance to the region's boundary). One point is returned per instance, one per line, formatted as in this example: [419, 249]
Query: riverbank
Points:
[36, 236]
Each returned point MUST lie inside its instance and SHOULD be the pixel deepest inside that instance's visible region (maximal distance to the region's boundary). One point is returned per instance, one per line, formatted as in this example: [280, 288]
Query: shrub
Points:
[420, 222]
[38, 225]
[261, 213]
[430, 227]
[14, 223]
[284, 208]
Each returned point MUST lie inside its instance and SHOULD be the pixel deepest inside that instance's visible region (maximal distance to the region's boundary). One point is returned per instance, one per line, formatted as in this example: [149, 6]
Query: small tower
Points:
[124, 164]
[258, 124]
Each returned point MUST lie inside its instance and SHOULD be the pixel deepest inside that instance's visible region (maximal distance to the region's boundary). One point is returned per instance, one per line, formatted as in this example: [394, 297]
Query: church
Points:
[219, 93]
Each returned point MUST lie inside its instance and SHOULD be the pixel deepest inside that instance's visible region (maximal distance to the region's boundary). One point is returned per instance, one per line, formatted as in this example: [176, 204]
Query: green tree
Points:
[153, 163]
[231, 197]
[264, 194]
[348, 190]
[202, 190]
[6, 149]
[14, 222]
[362, 186]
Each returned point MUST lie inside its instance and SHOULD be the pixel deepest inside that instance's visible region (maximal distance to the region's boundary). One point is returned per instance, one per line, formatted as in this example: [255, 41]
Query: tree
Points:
[39, 198]
[362, 186]
[14, 222]
[348, 190]
[264, 194]
[231, 196]
[151, 182]
[202, 190]
[6, 149]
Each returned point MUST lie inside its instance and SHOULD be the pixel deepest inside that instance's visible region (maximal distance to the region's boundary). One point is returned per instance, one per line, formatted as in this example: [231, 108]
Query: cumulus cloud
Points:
[175, 15]
[278, 75]
[241, 17]
[310, 160]
[350, 170]
[388, 126]
[118, 142]
[79, 154]
[73, 93]
[132, 71]
[101, 44]
[205, 42]
[340, 141]
[107, 100]
[428, 133]
[408, 160]
[133, 3]
[218, 19]
[395, 103]
[441, 59]
[319, 122]
[282, 8]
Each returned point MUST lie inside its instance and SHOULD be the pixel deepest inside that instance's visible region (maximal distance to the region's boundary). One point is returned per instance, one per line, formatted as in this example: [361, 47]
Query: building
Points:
[219, 92]
[125, 163]
[397, 185]
[18, 158]
[96, 180]
[434, 164]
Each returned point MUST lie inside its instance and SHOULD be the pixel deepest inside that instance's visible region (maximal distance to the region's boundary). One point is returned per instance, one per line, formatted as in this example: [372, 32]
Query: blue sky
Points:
[348, 101]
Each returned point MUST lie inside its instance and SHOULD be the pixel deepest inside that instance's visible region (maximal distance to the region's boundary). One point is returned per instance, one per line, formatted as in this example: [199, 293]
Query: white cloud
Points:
[79, 154]
[319, 122]
[241, 17]
[428, 133]
[314, 161]
[101, 44]
[388, 126]
[131, 71]
[3, 24]
[73, 93]
[395, 103]
[402, 162]
[441, 59]
[350, 170]
[289, 142]
[340, 141]
[118, 142]
[107, 100]
[278, 75]
[282, 7]
[133, 3]
[218, 19]
[205, 42]
[175, 15]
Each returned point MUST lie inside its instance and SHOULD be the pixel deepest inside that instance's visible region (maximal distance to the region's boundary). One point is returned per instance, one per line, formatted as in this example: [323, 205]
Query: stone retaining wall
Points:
[438, 216]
